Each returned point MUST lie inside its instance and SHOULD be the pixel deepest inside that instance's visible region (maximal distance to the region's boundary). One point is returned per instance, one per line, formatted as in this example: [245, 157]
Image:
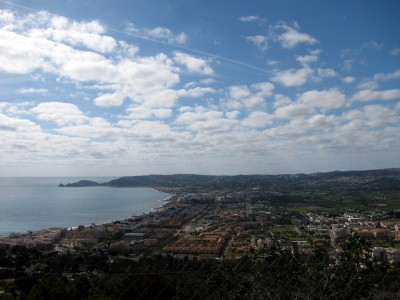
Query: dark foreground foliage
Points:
[281, 275]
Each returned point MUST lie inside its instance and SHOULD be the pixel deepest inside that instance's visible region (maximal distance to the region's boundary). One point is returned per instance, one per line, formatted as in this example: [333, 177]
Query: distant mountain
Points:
[80, 183]
[370, 179]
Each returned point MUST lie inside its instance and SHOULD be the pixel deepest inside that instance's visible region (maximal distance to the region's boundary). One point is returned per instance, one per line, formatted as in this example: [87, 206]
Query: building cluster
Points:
[223, 224]
[205, 243]
[42, 239]
[376, 228]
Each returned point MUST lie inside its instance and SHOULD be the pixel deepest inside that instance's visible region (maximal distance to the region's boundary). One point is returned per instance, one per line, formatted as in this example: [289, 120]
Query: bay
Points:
[36, 203]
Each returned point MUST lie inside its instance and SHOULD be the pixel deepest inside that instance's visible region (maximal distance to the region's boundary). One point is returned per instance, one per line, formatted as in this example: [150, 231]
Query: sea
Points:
[36, 203]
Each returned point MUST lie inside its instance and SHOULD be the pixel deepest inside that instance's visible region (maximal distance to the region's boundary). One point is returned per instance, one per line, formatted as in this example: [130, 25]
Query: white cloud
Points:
[158, 33]
[249, 96]
[87, 34]
[59, 112]
[369, 95]
[239, 92]
[196, 92]
[397, 107]
[327, 99]
[368, 85]
[387, 76]
[8, 124]
[320, 121]
[148, 123]
[281, 100]
[214, 125]
[347, 64]
[306, 59]
[373, 45]
[128, 50]
[20, 55]
[260, 41]
[160, 98]
[189, 116]
[252, 19]
[109, 100]
[258, 119]
[349, 80]
[6, 19]
[370, 116]
[137, 78]
[272, 62]
[308, 102]
[142, 112]
[395, 52]
[194, 64]
[373, 82]
[235, 114]
[294, 110]
[33, 91]
[164, 33]
[326, 73]
[60, 29]
[17, 108]
[293, 77]
[290, 36]
[208, 121]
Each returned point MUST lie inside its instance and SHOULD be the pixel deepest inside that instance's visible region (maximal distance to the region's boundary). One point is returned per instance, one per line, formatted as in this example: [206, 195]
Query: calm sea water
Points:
[37, 203]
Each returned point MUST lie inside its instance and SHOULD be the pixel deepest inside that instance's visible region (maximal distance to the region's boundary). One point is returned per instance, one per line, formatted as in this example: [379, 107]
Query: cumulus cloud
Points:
[196, 92]
[290, 36]
[326, 73]
[147, 121]
[193, 64]
[59, 112]
[306, 59]
[164, 33]
[369, 95]
[387, 76]
[141, 78]
[249, 96]
[60, 29]
[281, 100]
[293, 77]
[258, 119]
[142, 112]
[8, 124]
[308, 103]
[372, 83]
[294, 110]
[260, 41]
[327, 99]
[349, 79]
[158, 33]
[109, 100]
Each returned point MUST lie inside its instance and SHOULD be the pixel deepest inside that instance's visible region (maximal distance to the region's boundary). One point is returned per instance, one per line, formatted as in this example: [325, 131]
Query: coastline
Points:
[48, 238]
[25, 204]
[163, 203]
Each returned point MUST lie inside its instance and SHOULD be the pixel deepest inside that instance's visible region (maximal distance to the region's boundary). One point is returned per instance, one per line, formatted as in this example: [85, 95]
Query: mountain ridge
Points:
[196, 183]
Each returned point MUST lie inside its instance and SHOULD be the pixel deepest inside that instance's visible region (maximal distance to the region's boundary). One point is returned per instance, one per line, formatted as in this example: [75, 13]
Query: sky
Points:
[115, 88]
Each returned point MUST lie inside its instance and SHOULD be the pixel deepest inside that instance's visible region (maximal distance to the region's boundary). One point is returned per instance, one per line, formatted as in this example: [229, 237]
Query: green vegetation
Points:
[280, 275]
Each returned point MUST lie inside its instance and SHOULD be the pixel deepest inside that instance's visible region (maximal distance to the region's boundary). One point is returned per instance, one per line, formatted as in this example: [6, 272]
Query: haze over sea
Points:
[36, 202]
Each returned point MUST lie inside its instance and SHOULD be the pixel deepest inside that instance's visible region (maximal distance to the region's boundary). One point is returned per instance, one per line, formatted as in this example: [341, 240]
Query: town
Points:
[223, 226]
[298, 215]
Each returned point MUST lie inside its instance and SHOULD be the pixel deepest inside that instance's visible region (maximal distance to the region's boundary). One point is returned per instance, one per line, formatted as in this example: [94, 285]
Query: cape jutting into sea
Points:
[37, 203]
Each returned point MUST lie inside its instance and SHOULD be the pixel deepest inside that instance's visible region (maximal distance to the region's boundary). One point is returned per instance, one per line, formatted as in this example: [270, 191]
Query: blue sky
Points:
[101, 88]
